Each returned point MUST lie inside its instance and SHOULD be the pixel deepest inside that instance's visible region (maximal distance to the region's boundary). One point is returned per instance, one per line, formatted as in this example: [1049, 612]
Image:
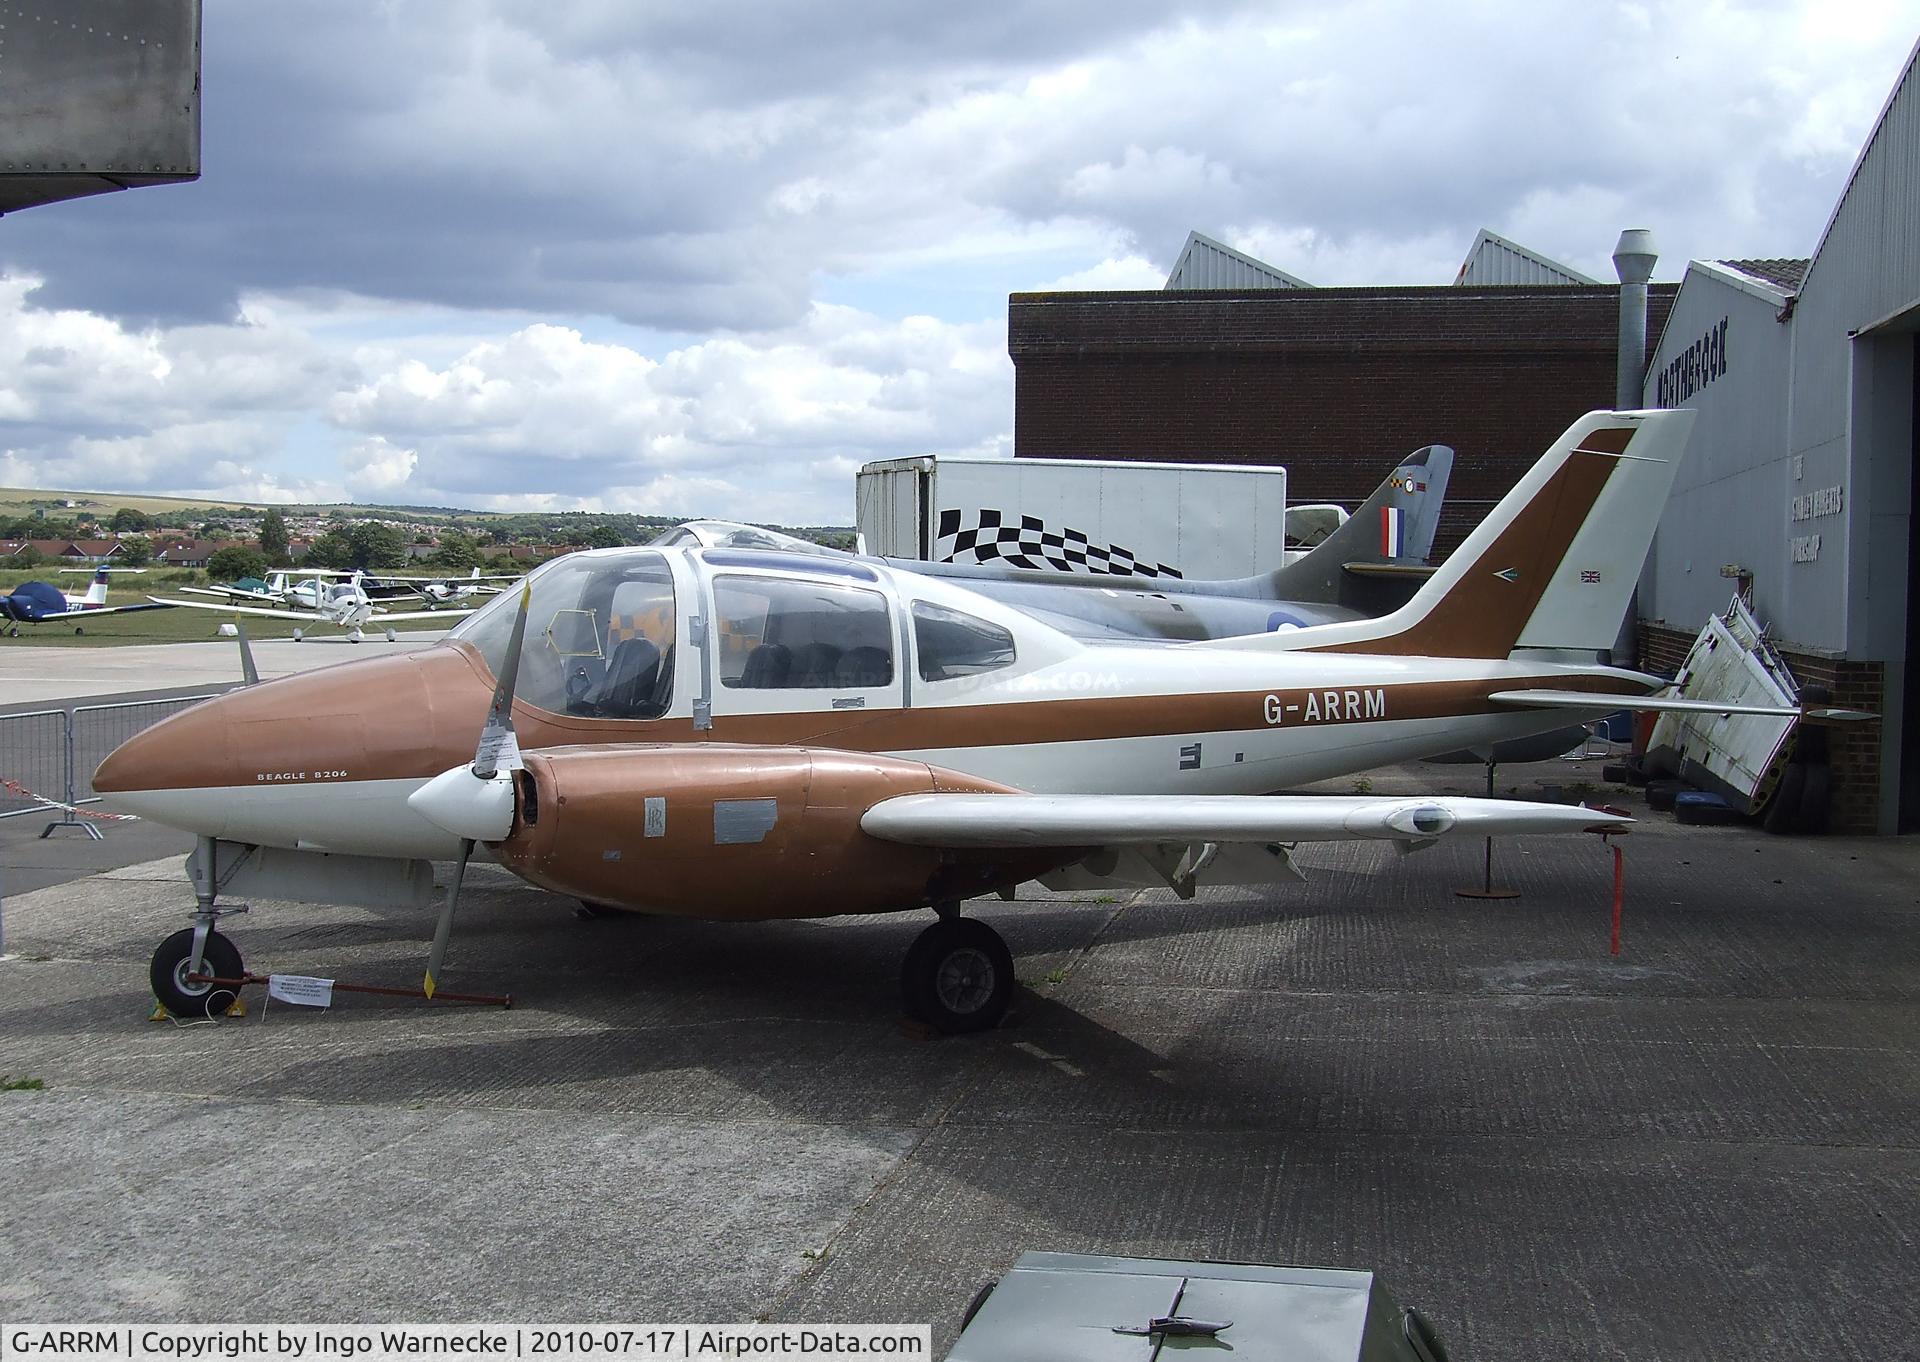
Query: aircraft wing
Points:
[1019, 820]
[93, 610]
[444, 613]
[227, 608]
[227, 593]
[1604, 704]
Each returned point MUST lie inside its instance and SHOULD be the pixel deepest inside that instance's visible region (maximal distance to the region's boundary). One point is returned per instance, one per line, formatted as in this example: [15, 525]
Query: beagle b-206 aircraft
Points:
[742, 734]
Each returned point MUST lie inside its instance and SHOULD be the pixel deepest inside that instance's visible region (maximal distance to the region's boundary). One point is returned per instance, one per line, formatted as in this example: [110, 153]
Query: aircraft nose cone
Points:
[188, 750]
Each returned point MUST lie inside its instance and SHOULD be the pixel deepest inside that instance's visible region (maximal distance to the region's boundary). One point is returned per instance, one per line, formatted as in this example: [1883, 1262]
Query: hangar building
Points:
[1236, 362]
[1800, 474]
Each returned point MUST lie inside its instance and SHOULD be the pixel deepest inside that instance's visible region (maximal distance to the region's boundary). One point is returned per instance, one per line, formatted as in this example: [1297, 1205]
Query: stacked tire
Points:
[1804, 796]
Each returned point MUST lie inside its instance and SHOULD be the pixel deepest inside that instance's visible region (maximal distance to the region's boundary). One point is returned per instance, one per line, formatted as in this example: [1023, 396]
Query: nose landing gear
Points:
[173, 962]
[957, 976]
[187, 959]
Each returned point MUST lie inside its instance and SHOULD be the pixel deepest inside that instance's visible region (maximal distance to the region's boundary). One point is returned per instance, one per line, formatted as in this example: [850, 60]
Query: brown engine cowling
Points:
[717, 830]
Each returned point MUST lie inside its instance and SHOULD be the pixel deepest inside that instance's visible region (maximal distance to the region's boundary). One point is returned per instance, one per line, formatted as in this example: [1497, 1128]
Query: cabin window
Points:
[777, 633]
[952, 644]
[599, 639]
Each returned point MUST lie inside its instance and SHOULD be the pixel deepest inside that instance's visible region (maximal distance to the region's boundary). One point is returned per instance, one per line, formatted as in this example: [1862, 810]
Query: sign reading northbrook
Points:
[1694, 367]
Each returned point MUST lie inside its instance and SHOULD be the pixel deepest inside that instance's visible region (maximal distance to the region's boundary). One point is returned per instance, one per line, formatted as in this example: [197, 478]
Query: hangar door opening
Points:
[1909, 814]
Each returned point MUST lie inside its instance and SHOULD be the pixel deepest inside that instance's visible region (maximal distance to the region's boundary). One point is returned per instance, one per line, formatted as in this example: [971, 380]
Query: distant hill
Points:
[16, 502]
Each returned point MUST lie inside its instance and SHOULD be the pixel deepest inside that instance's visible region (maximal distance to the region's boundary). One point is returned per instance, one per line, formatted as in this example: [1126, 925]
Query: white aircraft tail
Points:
[1551, 567]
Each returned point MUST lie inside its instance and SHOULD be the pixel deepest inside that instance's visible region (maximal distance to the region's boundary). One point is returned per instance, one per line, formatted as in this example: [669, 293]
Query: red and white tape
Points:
[15, 787]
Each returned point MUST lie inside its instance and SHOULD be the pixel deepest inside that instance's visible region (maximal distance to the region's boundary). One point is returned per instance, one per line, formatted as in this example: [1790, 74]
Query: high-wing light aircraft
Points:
[743, 734]
[344, 604]
[42, 603]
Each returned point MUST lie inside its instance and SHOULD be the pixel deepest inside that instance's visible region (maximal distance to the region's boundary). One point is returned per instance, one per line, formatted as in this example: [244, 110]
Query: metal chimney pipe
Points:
[1633, 258]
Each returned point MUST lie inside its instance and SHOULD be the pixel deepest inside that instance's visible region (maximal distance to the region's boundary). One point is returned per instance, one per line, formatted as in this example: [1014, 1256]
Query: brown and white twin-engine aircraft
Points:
[739, 734]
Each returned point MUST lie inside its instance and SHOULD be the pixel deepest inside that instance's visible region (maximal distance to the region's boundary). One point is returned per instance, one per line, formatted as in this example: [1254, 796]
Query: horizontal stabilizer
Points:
[1400, 571]
[1017, 820]
[1673, 704]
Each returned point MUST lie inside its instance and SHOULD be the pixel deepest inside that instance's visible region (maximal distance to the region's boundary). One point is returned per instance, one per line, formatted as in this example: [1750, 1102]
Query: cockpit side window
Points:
[599, 641]
[781, 634]
[952, 644]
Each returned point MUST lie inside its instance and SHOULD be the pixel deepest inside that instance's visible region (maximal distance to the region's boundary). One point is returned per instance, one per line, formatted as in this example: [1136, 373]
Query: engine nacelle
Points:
[718, 830]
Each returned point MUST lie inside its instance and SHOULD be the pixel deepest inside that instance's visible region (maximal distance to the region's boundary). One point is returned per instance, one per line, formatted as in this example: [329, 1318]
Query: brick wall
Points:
[1334, 383]
[1854, 748]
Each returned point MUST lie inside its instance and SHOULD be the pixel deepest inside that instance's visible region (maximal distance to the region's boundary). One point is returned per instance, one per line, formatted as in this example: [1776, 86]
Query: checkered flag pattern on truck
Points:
[1026, 542]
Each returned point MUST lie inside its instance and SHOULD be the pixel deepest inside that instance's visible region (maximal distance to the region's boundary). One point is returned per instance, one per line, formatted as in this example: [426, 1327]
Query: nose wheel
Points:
[957, 976]
[183, 997]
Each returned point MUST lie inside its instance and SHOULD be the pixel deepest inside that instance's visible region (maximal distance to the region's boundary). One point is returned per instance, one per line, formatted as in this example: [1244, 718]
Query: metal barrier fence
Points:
[48, 756]
[33, 761]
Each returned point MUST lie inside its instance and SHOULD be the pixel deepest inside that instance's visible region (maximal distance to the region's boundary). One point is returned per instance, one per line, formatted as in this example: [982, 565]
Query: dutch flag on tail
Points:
[1391, 530]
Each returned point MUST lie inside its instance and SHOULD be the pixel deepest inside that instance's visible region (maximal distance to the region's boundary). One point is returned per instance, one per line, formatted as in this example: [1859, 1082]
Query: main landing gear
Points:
[193, 955]
[958, 975]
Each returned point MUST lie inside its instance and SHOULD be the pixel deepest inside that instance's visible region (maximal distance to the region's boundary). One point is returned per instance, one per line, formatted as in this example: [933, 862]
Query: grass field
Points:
[21, 501]
[179, 626]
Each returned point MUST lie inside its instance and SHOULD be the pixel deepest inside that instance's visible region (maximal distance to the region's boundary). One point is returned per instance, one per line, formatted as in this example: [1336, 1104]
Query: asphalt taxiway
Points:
[1707, 1146]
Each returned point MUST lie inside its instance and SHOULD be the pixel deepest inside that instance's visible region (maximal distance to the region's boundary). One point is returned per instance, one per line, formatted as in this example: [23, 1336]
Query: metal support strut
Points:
[1487, 889]
[203, 868]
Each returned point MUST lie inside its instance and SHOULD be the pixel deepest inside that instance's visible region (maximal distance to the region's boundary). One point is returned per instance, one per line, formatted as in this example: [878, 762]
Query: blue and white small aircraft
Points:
[42, 602]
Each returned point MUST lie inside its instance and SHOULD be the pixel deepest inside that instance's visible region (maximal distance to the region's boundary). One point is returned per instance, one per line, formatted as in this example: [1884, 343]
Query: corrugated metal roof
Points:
[1896, 195]
[1493, 259]
[1206, 263]
[1782, 274]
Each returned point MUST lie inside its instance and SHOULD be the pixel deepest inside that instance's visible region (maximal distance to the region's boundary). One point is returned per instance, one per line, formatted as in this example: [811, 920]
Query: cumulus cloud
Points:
[778, 421]
[481, 251]
[700, 169]
[770, 427]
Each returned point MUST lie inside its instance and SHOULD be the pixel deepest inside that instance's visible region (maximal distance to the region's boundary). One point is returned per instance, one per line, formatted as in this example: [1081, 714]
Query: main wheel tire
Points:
[1816, 796]
[957, 977]
[1782, 814]
[168, 975]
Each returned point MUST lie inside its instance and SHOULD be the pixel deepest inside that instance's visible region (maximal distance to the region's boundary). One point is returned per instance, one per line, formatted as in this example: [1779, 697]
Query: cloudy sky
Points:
[707, 259]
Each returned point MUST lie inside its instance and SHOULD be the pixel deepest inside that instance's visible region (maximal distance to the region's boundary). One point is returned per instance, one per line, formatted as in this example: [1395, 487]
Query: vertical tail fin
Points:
[1552, 566]
[97, 588]
[1393, 528]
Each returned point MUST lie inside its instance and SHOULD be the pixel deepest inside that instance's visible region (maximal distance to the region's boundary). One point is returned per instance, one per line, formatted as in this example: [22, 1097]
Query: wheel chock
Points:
[238, 1008]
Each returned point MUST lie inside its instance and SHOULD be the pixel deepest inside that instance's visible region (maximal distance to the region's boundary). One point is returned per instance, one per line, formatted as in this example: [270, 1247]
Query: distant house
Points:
[527, 553]
[73, 551]
[189, 553]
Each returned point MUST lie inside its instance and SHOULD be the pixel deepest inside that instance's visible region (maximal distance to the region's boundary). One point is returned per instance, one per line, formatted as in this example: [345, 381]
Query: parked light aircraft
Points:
[737, 734]
[42, 602]
[1366, 565]
[344, 604]
[307, 587]
[449, 590]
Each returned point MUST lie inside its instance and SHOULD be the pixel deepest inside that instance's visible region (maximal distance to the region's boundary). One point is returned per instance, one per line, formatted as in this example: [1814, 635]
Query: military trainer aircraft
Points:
[744, 734]
[42, 603]
[1366, 565]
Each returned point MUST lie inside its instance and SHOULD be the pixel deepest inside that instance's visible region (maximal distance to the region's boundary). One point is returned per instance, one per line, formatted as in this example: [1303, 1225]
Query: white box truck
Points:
[1200, 521]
